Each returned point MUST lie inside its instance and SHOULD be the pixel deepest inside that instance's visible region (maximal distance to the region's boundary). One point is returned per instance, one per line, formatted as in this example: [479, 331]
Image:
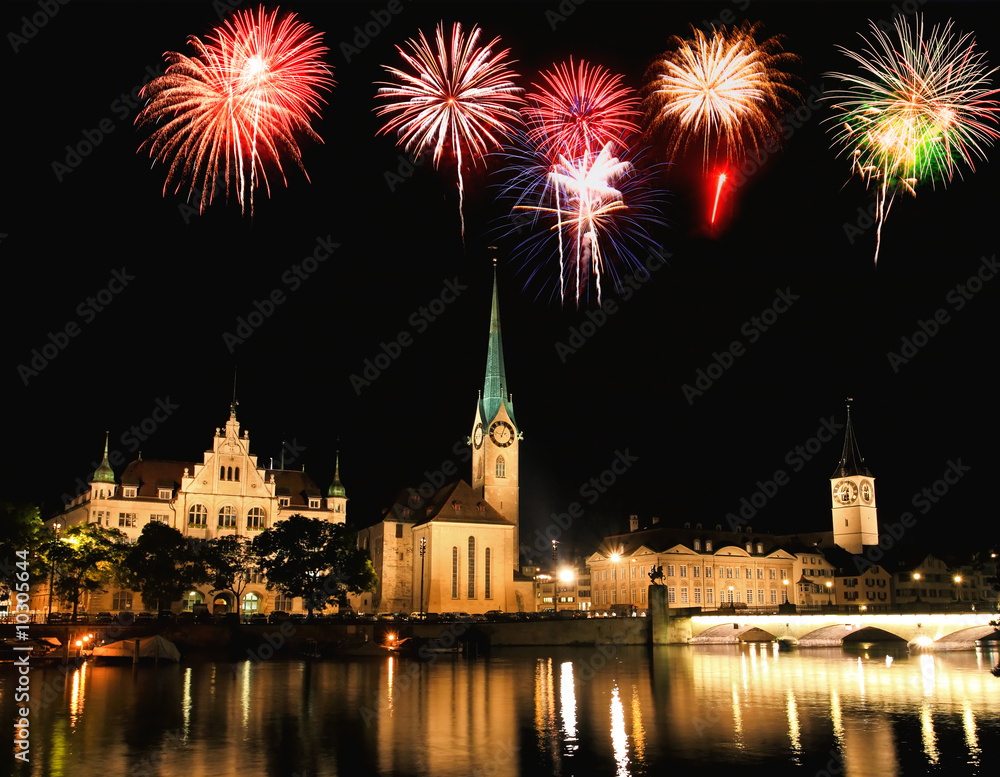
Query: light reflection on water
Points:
[553, 711]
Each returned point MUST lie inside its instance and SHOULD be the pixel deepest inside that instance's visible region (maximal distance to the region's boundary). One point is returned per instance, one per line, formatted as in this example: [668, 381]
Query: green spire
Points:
[336, 487]
[104, 473]
[495, 387]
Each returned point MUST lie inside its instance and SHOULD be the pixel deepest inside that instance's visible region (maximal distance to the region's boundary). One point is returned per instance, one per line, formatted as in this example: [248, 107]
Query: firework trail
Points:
[454, 94]
[253, 85]
[913, 112]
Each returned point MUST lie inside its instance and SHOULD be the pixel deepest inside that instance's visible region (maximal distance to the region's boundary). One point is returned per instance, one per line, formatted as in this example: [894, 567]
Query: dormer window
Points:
[708, 545]
[697, 544]
[760, 547]
[283, 501]
[165, 493]
[456, 506]
[129, 492]
[314, 504]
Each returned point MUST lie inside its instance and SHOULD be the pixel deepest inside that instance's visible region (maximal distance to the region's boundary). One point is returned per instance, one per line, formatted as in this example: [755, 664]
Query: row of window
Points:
[696, 572]
[256, 517]
[471, 579]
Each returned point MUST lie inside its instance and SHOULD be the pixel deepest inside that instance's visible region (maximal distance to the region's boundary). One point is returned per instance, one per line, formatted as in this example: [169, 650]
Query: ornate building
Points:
[455, 549]
[227, 493]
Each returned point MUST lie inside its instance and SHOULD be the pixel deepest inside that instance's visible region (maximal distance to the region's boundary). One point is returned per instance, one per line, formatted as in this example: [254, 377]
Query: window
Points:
[697, 596]
[472, 568]
[729, 572]
[749, 596]
[708, 545]
[165, 493]
[227, 517]
[284, 501]
[614, 597]
[237, 474]
[697, 544]
[747, 573]
[488, 569]
[121, 600]
[760, 573]
[126, 519]
[256, 518]
[314, 504]
[613, 574]
[684, 596]
[642, 596]
[633, 595]
[198, 515]
[399, 531]
[282, 603]
[632, 570]
[695, 571]
[684, 570]
[772, 573]
[670, 570]
[501, 467]
[190, 599]
[229, 474]
[671, 594]
[774, 596]
[454, 572]
[129, 492]
[708, 571]
[251, 604]
[159, 519]
[709, 596]
[760, 596]
[222, 473]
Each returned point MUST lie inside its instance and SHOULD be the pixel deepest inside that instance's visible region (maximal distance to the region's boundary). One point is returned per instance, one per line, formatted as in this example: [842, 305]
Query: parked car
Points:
[144, 618]
[57, 617]
[103, 618]
[257, 619]
[278, 616]
[165, 616]
[299, 617]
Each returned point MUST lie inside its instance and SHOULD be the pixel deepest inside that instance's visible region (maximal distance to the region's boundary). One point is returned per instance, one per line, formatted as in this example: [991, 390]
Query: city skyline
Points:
[353, 318]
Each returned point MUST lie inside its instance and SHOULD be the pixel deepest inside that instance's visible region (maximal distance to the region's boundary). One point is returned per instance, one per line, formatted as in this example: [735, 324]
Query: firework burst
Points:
[579, 109]
[454, 94]
[254, 84]
[913, 113]
[723, 89]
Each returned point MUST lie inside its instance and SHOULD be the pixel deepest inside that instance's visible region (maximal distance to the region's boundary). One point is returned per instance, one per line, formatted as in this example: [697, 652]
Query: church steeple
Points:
[104, 473]
[336, 494]
[495, 392]
[852, 497]
[851, 460]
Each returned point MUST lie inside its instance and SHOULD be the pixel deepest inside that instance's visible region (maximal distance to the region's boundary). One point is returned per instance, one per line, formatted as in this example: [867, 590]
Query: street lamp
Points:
[423, 550]
[958, 586]
[52, 566]
[829, 593]
[784, 590]
[916, 578]
[565, 577]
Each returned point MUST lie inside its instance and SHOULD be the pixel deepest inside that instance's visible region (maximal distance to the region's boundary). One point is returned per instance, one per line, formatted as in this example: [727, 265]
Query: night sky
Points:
[156, 354]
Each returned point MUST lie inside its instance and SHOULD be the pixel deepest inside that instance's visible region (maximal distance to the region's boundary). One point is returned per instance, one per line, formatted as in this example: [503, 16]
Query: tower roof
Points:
[851, 460]
[495, 393]
[336, 487]
[104, 473]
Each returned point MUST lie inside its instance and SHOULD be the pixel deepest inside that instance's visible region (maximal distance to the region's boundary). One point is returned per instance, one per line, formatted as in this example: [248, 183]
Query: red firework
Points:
[454, 94]
[251, 88]
[579, 110]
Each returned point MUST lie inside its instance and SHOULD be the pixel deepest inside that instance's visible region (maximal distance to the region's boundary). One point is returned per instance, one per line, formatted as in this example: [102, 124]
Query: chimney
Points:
[656, 519]
[633, 523]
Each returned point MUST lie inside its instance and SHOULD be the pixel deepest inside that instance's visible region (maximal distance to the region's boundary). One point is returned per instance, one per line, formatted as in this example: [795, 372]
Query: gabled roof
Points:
[294, 484]
[150, 475]
[456, 502]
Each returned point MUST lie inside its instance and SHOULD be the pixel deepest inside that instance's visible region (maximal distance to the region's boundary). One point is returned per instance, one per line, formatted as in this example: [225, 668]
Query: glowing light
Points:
[455, 94]
[915, 112]
[253, 86]
[567, 704]
[718, 191]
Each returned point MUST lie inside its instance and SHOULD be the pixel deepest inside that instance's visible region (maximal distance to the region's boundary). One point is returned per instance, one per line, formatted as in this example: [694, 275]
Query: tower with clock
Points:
[852, 494]
[495, 436]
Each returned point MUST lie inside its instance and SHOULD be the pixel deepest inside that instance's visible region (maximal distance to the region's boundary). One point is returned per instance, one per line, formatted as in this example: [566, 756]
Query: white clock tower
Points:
[495, 435]
[852, 494]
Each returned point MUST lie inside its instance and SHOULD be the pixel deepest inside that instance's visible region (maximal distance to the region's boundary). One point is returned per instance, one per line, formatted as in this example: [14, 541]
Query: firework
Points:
[723, 88]
[253, 85]
[579, 109]
[589, 214]
[455, 94]
[913, 113]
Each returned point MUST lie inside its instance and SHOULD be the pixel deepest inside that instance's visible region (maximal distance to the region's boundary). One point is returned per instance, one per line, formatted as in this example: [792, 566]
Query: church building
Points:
[455, 549]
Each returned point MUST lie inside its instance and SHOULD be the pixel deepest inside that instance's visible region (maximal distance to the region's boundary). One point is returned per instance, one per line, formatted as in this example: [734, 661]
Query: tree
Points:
[163, 564]
[231, 563]
[86, 558]
[315, 559]
[23, 537]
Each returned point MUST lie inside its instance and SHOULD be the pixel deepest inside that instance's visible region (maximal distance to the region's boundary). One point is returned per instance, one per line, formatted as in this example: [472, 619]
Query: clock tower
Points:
[495, 435]
[852, 494]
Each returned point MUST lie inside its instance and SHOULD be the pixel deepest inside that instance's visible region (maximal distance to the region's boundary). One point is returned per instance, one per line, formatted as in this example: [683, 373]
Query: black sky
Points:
[160, 342]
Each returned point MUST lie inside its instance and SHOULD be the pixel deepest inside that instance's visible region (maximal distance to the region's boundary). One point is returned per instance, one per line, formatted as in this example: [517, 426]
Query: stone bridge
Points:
[944, 631]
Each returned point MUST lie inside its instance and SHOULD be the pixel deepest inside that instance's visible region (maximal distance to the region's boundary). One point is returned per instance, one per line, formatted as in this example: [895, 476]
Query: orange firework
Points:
[251, 88]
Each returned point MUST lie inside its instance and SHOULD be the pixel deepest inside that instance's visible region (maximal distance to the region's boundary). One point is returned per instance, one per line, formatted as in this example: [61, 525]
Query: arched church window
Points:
[229, 474]
[255, 518]
[487, 588]
[198, 515]
[237, 473]
[454, 572]
[227, 517]
[501, 467]
[472, 567]
[222, 473]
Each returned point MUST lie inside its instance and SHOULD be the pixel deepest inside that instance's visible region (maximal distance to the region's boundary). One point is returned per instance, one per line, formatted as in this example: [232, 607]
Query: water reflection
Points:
[523, 712]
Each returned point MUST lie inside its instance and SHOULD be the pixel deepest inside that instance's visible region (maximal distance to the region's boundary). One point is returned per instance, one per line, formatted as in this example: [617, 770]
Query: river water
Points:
[868, 710]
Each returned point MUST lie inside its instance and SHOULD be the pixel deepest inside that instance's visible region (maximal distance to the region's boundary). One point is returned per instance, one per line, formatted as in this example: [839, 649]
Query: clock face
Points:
[867, 492]
[477, 436]
[502, 433]
[847, 492]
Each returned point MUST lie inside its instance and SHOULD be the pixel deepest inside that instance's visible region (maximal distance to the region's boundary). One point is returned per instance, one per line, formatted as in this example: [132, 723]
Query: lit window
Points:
[501, 467]
[227, 517]
[472, 568]
[256, 518]
[198, 515]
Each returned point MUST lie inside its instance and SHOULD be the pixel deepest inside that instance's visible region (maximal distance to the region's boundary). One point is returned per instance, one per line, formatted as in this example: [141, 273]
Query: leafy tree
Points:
[315, 559]
[86, 558]
[163, 564]
[230, 563]
[21, 529]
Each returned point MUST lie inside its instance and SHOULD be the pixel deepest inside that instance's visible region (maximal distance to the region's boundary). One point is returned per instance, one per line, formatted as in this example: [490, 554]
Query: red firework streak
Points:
[718, 191]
